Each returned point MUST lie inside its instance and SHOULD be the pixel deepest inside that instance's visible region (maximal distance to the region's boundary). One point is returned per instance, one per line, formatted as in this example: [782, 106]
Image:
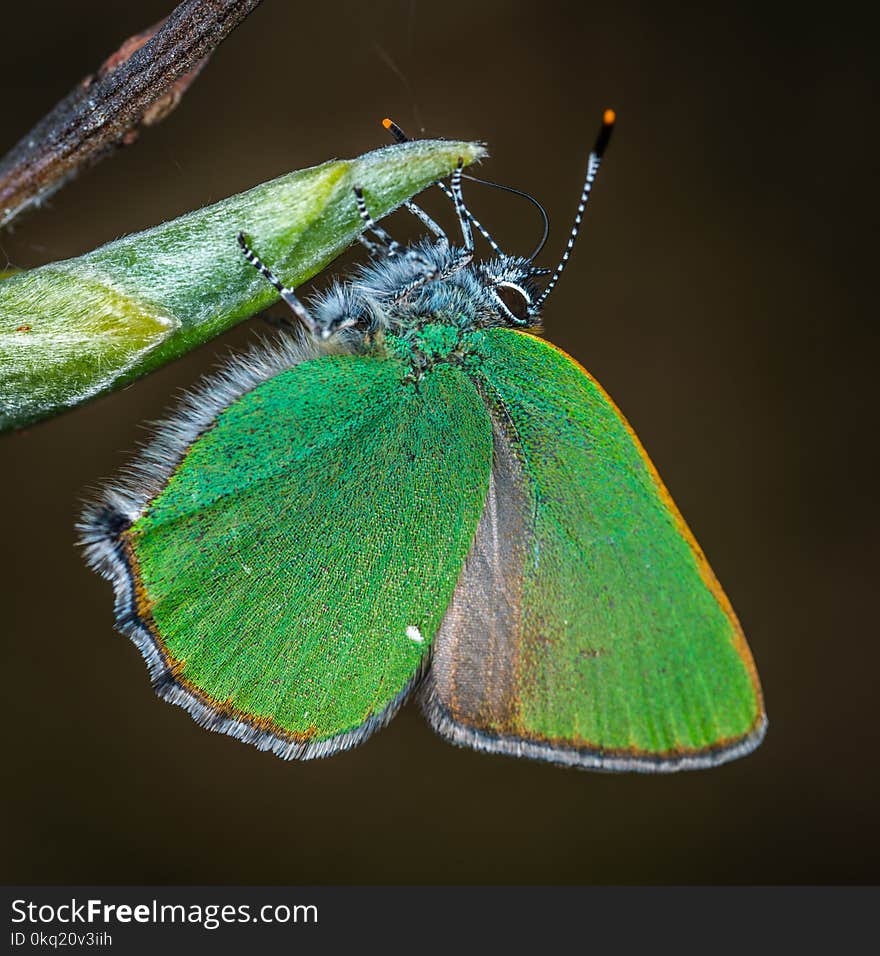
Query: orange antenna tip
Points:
[395, 130]
[608, 117]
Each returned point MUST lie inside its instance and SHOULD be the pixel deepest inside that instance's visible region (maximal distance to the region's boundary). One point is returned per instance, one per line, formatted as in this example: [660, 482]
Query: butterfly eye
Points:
[515, 299]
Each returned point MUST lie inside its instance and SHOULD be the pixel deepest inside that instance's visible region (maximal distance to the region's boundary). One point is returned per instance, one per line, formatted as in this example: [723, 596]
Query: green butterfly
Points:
[417, 494]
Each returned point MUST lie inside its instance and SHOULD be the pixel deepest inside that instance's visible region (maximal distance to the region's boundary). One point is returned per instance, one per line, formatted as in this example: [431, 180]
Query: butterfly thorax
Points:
[422, 348]
[390, 294]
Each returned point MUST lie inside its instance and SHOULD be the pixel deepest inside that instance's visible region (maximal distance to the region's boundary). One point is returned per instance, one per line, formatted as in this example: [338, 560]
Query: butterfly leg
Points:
[429, 223]
[460, 208]
[392, 247]
[463, 257]
[372, 247]
[401, 137]
[298, 309]
[458, 262]
[472, 219]
[481, 229]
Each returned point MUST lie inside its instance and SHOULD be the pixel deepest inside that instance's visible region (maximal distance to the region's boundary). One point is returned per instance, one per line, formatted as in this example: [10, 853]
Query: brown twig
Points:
[140, 84]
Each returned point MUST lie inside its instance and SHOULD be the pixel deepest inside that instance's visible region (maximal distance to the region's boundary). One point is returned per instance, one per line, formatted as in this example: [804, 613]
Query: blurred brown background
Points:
[723, 292]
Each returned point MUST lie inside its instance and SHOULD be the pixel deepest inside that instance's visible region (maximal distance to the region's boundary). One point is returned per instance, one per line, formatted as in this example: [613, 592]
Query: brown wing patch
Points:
[474, 669]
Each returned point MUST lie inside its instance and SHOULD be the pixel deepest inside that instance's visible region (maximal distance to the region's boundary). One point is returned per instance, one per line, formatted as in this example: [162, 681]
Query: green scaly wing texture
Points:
[296, 566]
[587, 628]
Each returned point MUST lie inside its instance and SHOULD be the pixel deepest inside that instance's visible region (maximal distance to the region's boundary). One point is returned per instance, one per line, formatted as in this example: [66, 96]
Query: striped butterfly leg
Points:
[287, 294]
[428, 272]
[401, 137]
[428, 222]
[391, 246]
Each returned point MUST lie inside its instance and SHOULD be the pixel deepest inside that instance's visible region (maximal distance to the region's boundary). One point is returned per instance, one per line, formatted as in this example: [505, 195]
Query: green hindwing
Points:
[587, 627]
[287, 581]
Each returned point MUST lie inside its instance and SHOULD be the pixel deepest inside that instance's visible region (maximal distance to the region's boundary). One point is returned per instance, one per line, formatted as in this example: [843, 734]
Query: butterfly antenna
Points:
[395, 130]
[593, 163]
[401, 137]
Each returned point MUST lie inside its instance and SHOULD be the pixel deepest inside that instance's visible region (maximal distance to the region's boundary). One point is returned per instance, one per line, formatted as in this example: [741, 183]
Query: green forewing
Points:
[614, 638]
[310, 538]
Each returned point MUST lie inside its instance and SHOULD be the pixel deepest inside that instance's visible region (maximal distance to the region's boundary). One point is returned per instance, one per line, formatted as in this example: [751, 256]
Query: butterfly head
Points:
[437, 279]
[512, 282]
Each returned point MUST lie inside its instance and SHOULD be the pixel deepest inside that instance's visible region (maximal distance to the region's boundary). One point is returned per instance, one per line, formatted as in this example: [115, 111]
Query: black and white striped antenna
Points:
[593, 162]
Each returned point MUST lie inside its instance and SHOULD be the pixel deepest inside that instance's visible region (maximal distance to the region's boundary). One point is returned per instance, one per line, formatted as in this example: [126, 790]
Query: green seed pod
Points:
[73, 330]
